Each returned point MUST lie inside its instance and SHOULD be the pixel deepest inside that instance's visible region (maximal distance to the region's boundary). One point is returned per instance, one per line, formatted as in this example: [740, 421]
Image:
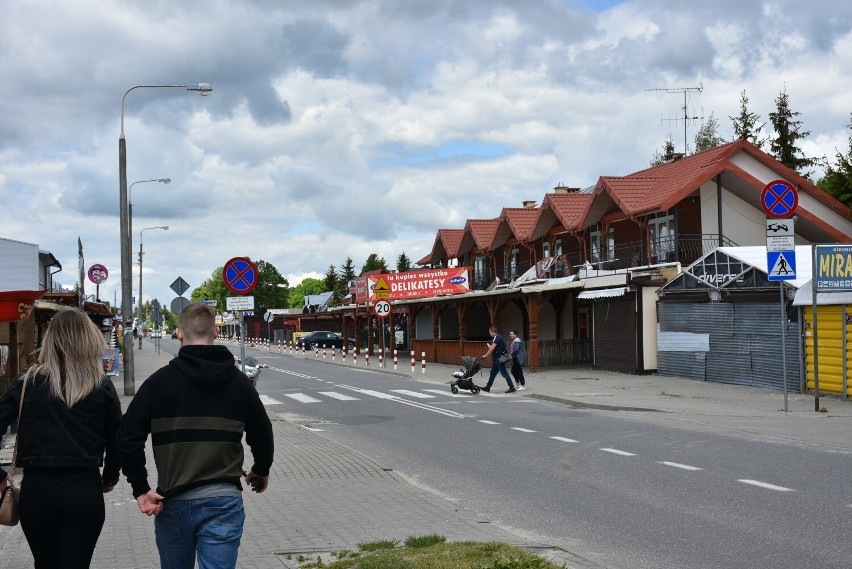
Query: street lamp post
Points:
[142, 304]
[124, 236]
[130, 226]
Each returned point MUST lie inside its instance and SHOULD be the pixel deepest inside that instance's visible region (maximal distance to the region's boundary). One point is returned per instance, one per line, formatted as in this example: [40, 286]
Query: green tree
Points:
[403, 263]
[212, 289]
[374, 262]
[272, 288]
[331, 278]
[747, 125]
[305, 288]
[837, 181]
[666, 156]
[707, 136]
[347, 274]
[788, 134]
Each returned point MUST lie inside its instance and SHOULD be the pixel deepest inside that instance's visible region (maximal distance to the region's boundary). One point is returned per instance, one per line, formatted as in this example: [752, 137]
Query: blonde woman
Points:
[69, 423]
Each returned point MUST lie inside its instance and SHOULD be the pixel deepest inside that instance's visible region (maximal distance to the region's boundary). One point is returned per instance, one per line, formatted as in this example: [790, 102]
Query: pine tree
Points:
[837, 181]
[746, 125]
[374, 262]
[666, 156]
[403, 263]
[788, 133]
[707, 136]
[331, 277]
[347, 274]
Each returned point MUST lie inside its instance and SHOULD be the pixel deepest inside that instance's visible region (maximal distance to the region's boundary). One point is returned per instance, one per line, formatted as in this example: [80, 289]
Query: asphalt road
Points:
[628, 490]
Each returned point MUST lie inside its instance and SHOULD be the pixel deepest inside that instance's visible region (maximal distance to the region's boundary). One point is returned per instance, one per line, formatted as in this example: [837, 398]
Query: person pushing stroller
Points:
[500, 356]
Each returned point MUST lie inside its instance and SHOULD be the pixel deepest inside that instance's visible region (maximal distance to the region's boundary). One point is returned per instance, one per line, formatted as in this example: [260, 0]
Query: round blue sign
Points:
[240, 275]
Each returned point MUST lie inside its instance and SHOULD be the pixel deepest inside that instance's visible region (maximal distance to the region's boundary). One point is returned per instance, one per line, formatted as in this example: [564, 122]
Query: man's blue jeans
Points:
[211, 526]
[496, 366]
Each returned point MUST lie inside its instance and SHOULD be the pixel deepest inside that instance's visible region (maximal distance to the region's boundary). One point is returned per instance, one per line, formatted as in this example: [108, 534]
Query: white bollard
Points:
[412, 362]
[395, 360]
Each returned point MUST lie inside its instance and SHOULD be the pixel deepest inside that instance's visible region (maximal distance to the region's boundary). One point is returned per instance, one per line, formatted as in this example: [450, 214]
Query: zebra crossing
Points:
[357, 394]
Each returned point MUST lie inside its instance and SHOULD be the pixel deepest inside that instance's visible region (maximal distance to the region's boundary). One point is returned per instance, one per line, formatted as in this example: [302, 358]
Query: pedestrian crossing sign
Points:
[782, 265]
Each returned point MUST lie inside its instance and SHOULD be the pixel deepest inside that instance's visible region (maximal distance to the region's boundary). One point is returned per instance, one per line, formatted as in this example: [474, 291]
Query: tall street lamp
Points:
[130, 204]
[142, 304]
[124, 236]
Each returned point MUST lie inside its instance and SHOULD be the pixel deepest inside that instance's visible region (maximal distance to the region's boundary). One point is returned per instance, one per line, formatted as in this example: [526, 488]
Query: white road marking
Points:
[678, 465]
[302, 398]
[397, 399]
[488, 422]
[340, 396]
[760, 484]
[307, 428]
[564, 440]
[267, 400]
[413, 394]
[447, 392]
[523, 430]
[618, 452]
[288, 372]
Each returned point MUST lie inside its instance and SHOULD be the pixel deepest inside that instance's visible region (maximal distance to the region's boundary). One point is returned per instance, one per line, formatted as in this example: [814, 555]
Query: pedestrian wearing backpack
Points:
[519, 359]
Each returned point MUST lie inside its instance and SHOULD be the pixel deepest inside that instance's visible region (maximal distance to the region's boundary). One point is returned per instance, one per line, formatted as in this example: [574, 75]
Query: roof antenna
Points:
[685, 118]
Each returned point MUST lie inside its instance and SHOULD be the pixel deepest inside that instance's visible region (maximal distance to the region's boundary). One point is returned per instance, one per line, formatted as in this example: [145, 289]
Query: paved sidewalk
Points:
[324, 497]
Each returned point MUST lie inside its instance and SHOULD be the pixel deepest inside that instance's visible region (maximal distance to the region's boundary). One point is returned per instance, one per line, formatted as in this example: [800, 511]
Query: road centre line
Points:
[288, 372]
[618, 452]
[766, 485]
[678, 465]
[523, 430]
[564, 440]
[487, 422]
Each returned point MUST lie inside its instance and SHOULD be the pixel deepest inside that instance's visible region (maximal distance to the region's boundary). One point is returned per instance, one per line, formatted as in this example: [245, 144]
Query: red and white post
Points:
[423, 359]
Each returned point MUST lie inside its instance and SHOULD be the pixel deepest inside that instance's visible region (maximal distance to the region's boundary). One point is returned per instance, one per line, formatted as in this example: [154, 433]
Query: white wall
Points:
[18, 265]
[741, 223]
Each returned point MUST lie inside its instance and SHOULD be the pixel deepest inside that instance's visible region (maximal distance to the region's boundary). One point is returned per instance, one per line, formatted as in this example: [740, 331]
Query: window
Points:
[662, 235]
[545, 249]
[596, 245]
[513, 262]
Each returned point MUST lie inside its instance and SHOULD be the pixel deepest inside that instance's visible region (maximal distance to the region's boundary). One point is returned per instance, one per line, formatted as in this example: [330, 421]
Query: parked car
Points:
[325, 338]
[156, 334]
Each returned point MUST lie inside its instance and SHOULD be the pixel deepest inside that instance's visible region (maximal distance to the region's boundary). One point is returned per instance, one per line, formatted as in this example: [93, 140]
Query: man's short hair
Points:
[198, 322]
[493, 329]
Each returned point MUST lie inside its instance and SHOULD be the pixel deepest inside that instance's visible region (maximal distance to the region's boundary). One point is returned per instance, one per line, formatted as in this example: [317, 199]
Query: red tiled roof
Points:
[568, 210]
[521, 221]
[478, 233]
[451, 238]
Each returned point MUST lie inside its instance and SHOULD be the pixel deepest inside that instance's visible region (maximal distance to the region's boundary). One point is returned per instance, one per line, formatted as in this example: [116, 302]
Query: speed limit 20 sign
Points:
[382, 308]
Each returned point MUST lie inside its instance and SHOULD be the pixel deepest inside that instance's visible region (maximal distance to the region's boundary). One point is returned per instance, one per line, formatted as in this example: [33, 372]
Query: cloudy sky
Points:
[341, 128]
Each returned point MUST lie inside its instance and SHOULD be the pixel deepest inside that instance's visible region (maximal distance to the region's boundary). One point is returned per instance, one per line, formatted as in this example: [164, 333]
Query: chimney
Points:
[563, 189]
[528, 204]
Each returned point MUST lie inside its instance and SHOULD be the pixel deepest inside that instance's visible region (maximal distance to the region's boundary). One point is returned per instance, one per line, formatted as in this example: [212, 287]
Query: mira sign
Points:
[833, 268]
[411, 284]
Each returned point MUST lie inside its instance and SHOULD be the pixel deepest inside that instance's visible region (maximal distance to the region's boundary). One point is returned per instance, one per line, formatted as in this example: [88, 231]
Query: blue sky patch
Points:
[461, 151]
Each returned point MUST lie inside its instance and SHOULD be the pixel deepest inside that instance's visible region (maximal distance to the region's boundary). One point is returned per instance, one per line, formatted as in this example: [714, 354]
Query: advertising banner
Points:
[412, 284]
[833, 268]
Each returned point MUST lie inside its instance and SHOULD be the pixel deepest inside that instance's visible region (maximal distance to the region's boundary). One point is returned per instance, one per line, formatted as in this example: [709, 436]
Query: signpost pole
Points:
[784, 342]
[242, 341]
[814, 326]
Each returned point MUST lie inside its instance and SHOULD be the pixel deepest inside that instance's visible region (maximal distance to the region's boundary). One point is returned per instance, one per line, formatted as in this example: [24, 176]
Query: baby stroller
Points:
[464, 375]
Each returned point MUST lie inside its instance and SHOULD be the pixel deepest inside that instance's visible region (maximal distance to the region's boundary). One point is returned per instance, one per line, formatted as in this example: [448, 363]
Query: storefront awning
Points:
[602, 293]
[16, 305]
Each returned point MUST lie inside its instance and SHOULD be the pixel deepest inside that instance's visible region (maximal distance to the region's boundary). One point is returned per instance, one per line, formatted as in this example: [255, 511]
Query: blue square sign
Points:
[781, 265]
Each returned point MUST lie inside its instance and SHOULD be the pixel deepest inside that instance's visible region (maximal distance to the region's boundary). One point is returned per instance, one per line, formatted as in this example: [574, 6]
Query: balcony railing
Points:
[683, 248]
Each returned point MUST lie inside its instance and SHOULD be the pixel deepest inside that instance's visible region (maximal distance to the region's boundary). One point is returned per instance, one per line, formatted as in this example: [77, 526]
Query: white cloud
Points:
[338, 130]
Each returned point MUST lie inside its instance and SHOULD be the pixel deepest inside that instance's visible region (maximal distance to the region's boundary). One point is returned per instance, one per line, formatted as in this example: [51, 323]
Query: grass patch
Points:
[432, 552]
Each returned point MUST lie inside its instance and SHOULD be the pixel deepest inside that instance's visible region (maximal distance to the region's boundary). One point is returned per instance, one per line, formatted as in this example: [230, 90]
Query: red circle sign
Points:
[779, 199]
[240, 275]
[382, 308]
[98, 273]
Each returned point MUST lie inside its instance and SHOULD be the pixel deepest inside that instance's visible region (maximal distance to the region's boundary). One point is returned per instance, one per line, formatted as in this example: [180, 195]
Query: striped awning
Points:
[602, 293]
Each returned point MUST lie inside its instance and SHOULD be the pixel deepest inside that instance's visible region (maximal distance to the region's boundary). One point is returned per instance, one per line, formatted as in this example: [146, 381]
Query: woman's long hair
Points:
[71, 356]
